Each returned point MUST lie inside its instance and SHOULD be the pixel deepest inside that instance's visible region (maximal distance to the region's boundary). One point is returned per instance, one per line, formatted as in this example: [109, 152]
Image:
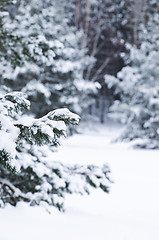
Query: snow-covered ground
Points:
[129, 212]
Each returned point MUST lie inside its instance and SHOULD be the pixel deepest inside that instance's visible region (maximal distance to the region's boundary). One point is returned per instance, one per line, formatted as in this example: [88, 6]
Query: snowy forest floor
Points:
[129, 212]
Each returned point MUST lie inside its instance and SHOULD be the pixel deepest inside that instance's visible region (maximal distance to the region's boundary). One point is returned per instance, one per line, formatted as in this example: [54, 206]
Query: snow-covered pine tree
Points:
[27, 170]
[137, 87]
[49, 62]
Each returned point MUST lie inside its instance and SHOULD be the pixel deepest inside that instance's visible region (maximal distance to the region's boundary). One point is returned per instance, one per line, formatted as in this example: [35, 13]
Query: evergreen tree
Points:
[137, 87]
[28, 172]
[27, 169]
[49, 62]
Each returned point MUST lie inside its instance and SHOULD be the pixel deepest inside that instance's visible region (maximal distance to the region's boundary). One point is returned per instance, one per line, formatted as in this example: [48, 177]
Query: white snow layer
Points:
[129, 212]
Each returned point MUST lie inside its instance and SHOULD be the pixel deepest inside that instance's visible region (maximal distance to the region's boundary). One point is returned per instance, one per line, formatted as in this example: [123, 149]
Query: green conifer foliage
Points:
[44, 58]
[31, 55]
[28, 172]
[137, 87]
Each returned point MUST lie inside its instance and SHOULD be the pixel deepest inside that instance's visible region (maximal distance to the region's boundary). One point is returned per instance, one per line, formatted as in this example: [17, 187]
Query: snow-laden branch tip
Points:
[16, 128]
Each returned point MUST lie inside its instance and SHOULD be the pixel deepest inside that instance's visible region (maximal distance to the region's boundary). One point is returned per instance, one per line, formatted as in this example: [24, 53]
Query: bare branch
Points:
[100, 69]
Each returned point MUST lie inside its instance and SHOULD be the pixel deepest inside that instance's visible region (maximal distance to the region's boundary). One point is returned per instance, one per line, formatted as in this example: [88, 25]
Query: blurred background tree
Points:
[137, 86]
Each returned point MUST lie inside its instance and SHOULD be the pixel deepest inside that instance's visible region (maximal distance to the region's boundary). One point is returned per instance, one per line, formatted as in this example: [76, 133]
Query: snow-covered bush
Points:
[137, 87]
[27, 170]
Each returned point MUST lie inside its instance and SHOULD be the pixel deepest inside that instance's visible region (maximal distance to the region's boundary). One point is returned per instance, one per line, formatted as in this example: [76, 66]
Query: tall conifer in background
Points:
[49, 62]
[137, 87]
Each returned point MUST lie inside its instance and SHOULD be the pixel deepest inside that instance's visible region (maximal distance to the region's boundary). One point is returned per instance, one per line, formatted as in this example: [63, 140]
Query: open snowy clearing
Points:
[129, 212]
